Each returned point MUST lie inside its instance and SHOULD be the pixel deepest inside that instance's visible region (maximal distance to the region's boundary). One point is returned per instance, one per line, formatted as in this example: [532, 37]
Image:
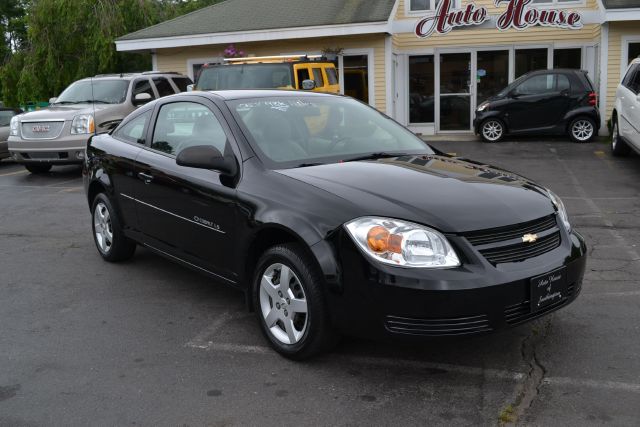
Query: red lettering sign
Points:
[518, 15]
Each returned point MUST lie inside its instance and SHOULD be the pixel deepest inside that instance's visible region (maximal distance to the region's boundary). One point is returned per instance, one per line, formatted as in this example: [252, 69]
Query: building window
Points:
[421, 89]
[567, 58]
[421, 5]
[530, 60]
[633, 51]
[356, 76]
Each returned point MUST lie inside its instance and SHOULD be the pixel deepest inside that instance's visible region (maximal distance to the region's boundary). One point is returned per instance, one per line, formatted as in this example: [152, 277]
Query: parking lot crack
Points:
[528, 390]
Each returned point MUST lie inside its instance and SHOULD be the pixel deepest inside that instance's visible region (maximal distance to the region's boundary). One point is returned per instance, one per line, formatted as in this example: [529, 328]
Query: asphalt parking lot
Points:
[84, 342]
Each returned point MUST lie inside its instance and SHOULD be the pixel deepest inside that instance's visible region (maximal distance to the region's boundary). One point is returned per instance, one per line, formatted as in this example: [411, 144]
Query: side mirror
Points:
[141, 98]
[308, 84]
[190, 87]
[207, 157]
[52, 100]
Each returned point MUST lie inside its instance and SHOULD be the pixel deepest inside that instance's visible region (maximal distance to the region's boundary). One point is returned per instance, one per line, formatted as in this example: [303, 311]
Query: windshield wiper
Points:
[375, 156]
[62, 102]
[306, 165]
[89, 101]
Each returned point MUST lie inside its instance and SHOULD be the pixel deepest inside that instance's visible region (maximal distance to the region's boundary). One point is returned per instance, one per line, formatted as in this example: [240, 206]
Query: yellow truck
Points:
[305, 72]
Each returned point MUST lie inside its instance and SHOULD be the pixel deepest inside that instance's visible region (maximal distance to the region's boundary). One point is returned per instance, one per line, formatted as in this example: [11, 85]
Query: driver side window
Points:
[186, 124]
[536, 85]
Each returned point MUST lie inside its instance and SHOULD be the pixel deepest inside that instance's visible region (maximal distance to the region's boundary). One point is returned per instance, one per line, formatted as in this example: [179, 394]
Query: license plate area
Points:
[548, 289]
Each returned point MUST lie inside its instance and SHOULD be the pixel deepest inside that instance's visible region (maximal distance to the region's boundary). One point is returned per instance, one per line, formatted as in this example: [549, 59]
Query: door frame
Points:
[472, 72]
[369, 52]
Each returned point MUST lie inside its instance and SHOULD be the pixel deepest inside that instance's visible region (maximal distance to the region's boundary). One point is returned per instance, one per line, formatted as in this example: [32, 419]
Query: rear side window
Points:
[163, 86]
[317, 76]
[135, 129]
[181, 83]
[332, 77]
[142, 86]
[563, 83]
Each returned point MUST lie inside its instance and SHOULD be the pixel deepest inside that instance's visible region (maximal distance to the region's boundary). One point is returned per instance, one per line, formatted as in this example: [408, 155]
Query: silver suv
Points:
[625, 119]
[58, 134]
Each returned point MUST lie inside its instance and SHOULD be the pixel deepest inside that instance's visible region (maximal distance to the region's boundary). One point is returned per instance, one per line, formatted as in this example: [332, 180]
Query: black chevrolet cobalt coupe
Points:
[330, 217]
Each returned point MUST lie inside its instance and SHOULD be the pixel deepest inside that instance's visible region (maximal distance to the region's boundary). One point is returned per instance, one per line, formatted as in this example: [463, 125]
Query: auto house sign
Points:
[518, 15]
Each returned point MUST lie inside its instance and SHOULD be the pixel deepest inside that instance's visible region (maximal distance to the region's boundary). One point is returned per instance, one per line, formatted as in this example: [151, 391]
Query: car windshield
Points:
[513, 84]
[254, 76]
[309, 130]
[5, 117]
[99, 91]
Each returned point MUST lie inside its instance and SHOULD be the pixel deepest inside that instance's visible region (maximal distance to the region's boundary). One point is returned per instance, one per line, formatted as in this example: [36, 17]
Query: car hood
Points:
[66, 112]
[449, 194]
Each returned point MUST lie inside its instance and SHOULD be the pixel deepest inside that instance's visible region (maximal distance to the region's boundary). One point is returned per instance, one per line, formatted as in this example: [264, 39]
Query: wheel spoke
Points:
[268, 286]
[298, 305]
[285, 278]
[291, 330]
[272, 318]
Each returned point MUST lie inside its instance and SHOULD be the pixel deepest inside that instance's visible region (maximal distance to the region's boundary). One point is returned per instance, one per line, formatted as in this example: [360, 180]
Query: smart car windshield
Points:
[309, 130]
[253, 76]
[98, 91]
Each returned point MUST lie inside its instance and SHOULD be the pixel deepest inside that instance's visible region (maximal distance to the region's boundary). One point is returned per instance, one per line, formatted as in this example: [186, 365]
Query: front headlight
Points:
[82, 123]
[14, 126]
[402, 243]
[483, 106]
[562, 211]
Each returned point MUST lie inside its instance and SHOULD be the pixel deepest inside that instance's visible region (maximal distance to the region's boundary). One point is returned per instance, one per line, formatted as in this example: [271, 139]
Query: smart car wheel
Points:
[289, 303]
[492, 130]
[38, 168]
[618, 146]
[111, 242]
[582, 129]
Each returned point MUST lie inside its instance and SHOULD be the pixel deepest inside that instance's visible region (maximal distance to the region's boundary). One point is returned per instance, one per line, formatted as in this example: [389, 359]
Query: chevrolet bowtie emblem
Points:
[529, 238]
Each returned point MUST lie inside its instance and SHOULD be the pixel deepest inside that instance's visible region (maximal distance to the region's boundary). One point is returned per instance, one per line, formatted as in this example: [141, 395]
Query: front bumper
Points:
[378, 301]
[65, 150]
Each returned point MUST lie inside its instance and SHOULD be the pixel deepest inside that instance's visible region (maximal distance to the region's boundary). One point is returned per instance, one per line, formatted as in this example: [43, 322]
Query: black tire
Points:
[498, 129]
[318, 335]
[581, 122]
[37, 168]
[121, 247]
[618, 145]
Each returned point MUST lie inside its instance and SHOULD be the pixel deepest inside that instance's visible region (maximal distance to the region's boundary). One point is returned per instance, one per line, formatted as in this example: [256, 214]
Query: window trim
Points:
[559, 4]
[408, 12]
[624, 45]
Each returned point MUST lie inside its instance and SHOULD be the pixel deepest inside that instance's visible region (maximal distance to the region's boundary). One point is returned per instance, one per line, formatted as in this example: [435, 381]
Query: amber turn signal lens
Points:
[380, 240]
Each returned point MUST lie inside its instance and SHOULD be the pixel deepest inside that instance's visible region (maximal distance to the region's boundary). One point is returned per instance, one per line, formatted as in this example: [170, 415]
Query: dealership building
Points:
[427, 63]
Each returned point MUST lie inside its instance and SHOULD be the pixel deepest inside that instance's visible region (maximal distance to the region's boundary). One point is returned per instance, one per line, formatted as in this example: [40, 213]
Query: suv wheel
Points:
[289, 302]
[492, 130]
[582, 129]
[110, 240]
[618, 146]
[37, 168]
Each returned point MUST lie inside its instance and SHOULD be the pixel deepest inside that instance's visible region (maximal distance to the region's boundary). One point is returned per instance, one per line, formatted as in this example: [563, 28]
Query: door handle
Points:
[145, 177]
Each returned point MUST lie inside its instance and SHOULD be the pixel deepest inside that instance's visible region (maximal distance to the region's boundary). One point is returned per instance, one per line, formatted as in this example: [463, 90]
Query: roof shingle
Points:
[246, 15]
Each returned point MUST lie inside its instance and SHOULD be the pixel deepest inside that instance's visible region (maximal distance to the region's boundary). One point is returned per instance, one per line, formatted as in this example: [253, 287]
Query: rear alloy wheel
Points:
[110, 240]
[37, 168]
[582, 129]
[492, 130]
[618, 146]
[289, 302]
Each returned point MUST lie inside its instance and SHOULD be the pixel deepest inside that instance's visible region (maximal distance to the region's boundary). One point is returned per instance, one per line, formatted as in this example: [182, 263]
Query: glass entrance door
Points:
[455, 91]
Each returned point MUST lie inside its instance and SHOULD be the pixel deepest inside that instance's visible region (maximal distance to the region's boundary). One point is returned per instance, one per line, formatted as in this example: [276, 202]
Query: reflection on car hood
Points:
[66, 112]
[449, 194]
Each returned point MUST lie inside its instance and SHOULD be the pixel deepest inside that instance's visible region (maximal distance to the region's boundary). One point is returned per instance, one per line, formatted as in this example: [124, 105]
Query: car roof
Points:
[129, 76]
[229, 95]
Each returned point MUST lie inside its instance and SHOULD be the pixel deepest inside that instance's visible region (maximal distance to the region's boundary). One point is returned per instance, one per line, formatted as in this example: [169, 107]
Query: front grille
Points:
[522, 251]
[521, 312]
[435, 327]
[41, 130]
[505, 244]
[500, 234]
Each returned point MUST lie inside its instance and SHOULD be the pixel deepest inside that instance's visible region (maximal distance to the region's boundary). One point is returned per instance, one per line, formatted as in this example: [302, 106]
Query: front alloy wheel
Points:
[283, 304]
[102, 228]
[289, 300]
[110, 240]
[492, 130]
[618, 146]
[582, 129]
